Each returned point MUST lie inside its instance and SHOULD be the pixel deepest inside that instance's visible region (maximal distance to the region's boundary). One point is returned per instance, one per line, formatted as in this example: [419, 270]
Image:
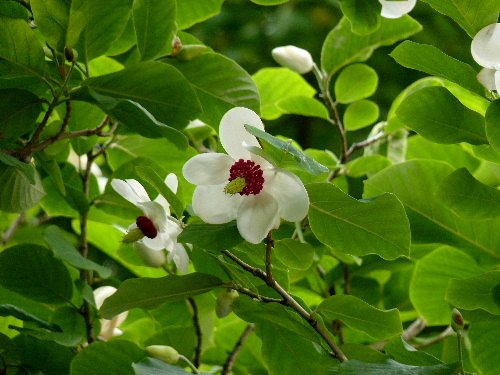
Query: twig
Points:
[199, 335]
[12, 229]
[347, 278]
[256, 296]
[359, 145]
[412, 331]
[228, 365]
[269, 259]
[446, 333]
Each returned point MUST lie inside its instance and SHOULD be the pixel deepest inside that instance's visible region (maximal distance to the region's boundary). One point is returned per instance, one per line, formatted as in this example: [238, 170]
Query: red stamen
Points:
[251, 172]
[146, 226]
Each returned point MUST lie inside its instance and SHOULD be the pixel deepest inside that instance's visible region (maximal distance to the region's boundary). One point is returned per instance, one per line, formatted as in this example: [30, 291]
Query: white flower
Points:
[244, 186]
[109, 328]
[294, 58]
[396, 9]
[156, 230]
[485, 50]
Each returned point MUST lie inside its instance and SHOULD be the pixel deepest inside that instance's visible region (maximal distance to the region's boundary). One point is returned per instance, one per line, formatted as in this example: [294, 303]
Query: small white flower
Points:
[109, 328]
[396, 9]
[485, 50]
[242, 185]
[294, 58]
[156, 230]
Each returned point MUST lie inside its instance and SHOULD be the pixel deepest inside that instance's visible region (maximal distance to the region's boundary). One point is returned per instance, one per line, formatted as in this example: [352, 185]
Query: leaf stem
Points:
[199, 335]
[460, 352]
[230, 361]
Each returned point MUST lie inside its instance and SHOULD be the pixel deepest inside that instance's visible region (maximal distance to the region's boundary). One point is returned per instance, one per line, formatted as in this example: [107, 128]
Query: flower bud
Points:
[191, 51]
[224, 303]
[457, 320]
[294, 58]
[164, 353]
[70, 54]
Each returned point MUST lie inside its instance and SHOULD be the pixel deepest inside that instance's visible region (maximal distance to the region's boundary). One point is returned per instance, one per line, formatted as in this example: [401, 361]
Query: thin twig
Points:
[443, 335]
[359, 145]
[256, 296]
[269, 258]
[12, 229]
[228, 365]
[412, 331]
[347, 278]
[199, 335]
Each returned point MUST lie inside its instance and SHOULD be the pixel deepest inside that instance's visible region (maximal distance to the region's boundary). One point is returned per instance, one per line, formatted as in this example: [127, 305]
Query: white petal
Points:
[486, 77]
[101, 293]
[497, 81]
[214, 206]
[289, 192]
[156, 213]
[294, 58]
[233, 134]
[396, 9]
[485, 47]
[172, 182]
[131, 190]
[257, 215]
[150, 257]
[180, 257]
[208, 169]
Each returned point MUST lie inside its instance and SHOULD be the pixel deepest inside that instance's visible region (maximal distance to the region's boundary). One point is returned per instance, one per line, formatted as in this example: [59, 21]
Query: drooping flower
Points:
[156, 230]
[294, 58]
[109, 327]
[242, 185]
[485, 50]
[396, 9]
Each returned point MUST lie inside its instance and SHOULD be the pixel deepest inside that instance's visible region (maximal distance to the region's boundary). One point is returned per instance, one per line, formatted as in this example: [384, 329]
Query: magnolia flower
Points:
[294, 58]
[396, 9]
[485, 49]
[109, 328]
[156, 230]
[242, 185]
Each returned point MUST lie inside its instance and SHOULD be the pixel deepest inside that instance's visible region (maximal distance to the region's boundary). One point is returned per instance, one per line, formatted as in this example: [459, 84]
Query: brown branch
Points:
[256, 296]
[199, 335]
[228, 365]
[269, 258]
[359, 145]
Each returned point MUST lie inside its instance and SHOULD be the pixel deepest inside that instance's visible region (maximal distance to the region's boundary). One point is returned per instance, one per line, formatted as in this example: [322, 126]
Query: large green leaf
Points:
[94, 25]
[304, 106]
[483, 336]
[392, 367]
[114, 357]
[343, 47]
[468, 197]
[359, 315]
[215, 237]
[52, 18]
[33, 272]
[492, 128]
[360, 114]
[151, 366]
[220, 84]
[17, 192]
[11, 310]
[403, 352]
[63, 249]
[433, 61]
[376, 226]
[470, 15]
[294, 254]
[430, 282]
[363, 15]
[415, 183]
[154, 23]
[168, 96]
[477, 292]
[437, 115]
[279, 84]
[190, 12]
[355, 82]
[151, 292]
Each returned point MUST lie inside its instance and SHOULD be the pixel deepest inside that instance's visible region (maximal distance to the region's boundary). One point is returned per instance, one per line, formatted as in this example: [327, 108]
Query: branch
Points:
[256, 296]
[359, 145]
[409, 333]
[12, 229]
[446, 333]
[269, 258]
[228, 365]
[199, 336]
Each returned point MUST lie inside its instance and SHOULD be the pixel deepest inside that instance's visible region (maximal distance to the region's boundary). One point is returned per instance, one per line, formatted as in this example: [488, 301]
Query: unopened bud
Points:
[191, 51]
[224, 303]
[176, 46]
[70, 54]
[164, 353]
[457, 320]
[297, 59]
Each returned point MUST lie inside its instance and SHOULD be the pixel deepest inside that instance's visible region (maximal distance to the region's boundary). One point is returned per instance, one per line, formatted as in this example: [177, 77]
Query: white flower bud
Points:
[164, 353]
[294, 58]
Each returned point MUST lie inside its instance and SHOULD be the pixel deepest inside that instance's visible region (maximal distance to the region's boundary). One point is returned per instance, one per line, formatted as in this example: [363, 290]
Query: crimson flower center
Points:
[146, 226]
[251, 173]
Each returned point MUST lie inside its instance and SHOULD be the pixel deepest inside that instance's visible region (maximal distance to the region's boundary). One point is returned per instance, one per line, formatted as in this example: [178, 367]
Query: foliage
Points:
[390, 131]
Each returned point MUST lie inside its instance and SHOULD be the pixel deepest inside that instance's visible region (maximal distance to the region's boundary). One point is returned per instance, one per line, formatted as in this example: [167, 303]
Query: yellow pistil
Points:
[235, 186]
[133, 236]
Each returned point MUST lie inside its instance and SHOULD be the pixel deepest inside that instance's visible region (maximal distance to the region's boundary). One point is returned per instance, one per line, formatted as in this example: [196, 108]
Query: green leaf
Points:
[366, 165]
[18, 313]
[168, 96]
[94, 25]
[33, 272]
[151, 366]
[154, 24]
[357, 314]
[437, 115]
[433, 61]
[150, 175]
[342, 47]
[220, 84]
[355, 82]
[415, 183]
[17, 193]
[360, 114]
[190, 12]
[304, 106]
[430, 281]
[150, 292]
[13, 9]
[492, 127]
[403, 352]
[391, 367]
[483, 337]
[294, 254]
[269, 2]
[363, 15]
[376, 226]
[114, 357]
[84, 116]
[52, 19]
[286, 148]
[468, 197]
[215, 237]
[470, 15]
[477, 292]
[276, 85]
[64, 250]
[28, 169]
